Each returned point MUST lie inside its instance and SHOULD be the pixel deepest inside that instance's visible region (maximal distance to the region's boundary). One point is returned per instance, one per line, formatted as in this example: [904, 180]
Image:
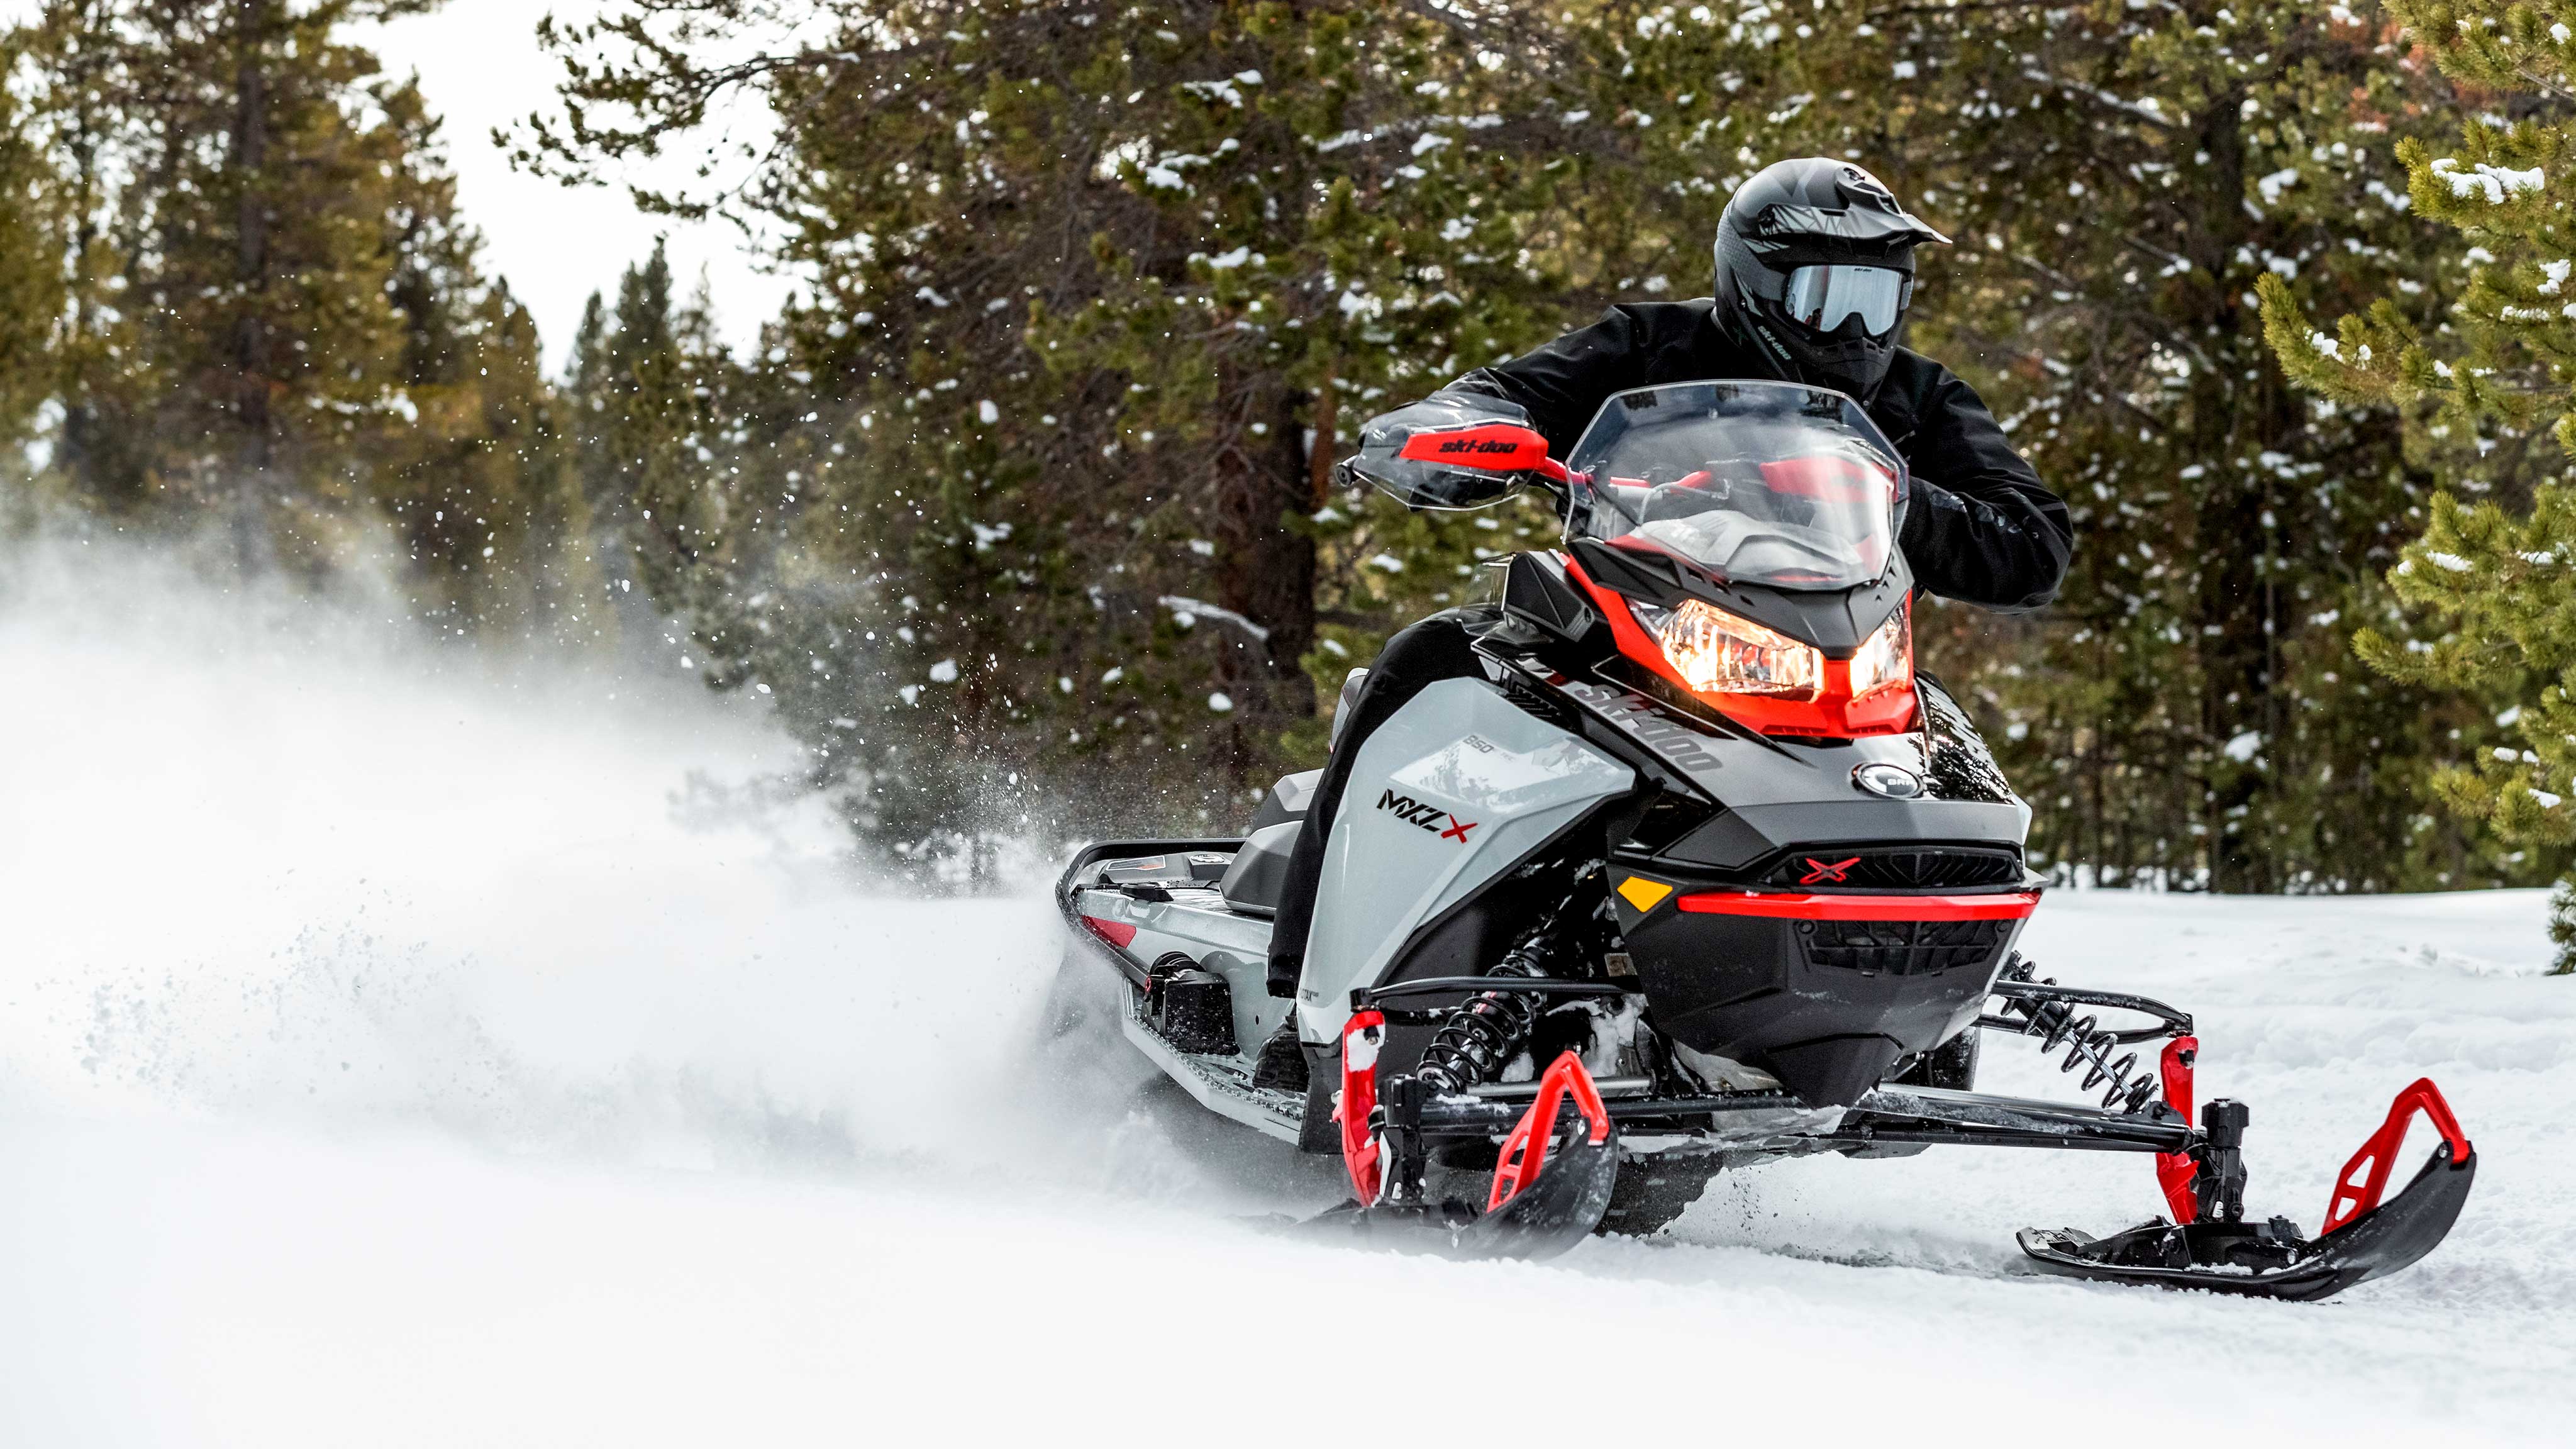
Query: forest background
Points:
[1020, 510]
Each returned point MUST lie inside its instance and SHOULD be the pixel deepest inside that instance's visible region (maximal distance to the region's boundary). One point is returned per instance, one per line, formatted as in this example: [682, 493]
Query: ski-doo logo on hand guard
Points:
[1428, 817]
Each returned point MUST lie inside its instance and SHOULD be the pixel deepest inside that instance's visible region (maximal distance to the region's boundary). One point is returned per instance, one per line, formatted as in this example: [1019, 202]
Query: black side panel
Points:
[1725, 843]
[1536, 590]
[1835, 1071]
[1860, 818]
[1957, 765]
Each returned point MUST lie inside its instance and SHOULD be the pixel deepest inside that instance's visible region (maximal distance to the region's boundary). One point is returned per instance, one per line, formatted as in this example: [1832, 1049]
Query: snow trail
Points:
[405, 1045]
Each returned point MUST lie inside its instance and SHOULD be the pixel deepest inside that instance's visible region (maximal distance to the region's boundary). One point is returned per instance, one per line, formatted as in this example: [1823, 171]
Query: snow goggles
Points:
[1823, 297]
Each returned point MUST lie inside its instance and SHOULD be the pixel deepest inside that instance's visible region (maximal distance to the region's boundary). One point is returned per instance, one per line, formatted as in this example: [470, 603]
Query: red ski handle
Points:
[1362, 1035]
[2372, 1163]
[1525, 1150]
[2178, 1173]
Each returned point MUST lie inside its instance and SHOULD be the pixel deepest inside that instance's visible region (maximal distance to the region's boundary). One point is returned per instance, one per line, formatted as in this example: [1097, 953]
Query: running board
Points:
[1217, 1083]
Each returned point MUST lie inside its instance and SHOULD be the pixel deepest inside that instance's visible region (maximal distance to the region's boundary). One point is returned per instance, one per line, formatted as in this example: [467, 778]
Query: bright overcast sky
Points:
[480, 67]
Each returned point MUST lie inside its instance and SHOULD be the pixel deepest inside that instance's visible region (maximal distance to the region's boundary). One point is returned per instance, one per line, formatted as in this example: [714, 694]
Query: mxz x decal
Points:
[1428, 817]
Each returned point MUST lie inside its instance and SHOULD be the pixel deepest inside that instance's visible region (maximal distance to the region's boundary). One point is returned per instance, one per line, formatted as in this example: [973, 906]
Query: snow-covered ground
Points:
[400, 1049]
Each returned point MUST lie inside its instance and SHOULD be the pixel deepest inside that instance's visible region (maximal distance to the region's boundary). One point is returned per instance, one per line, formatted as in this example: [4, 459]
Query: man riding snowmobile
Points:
[1670, 860]
[1815, 269]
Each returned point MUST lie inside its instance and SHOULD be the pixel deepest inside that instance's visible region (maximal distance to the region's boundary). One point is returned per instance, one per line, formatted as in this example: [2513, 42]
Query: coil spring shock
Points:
[1482, 1036]
[2055, 1023]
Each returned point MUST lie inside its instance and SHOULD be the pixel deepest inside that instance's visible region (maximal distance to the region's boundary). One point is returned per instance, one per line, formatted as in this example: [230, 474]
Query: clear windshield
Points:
[1754, 482]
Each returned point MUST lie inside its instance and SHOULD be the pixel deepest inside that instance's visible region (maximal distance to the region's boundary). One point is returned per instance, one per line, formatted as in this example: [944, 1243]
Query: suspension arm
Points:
[1889, 1114]
[1365, 997]
[2169, 1022]
[1930, 1114]
[1480, 1117]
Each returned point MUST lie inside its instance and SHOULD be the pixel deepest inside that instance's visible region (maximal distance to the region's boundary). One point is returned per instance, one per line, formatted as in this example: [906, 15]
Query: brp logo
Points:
[1893, 782]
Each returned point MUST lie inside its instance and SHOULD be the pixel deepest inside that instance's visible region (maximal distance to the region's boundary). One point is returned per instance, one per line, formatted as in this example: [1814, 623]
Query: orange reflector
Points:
[1642, 893]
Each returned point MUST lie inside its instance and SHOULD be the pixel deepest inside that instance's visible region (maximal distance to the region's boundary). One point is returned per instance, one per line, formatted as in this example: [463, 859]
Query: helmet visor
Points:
[1823, 297]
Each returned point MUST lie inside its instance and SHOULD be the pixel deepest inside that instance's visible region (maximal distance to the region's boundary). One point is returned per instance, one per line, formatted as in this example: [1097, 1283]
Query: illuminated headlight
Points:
[1717, 653]
[1886, 660]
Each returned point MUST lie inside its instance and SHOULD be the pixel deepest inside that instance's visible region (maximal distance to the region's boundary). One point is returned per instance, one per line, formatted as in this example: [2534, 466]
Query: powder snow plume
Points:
[279, 859]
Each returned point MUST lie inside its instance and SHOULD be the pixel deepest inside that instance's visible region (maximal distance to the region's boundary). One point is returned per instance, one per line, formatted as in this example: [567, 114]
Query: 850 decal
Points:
[1428, 817]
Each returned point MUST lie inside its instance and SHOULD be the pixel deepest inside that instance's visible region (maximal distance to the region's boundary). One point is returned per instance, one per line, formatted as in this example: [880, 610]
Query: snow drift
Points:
[402, 1045]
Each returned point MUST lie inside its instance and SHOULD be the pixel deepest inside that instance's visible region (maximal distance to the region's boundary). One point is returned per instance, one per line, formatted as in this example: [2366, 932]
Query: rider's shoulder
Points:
[1916, 374]
[1656, 322]
[1924, 378]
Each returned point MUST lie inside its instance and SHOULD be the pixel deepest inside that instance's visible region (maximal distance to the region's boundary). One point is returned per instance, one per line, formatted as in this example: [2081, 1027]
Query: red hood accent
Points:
[2012, 906]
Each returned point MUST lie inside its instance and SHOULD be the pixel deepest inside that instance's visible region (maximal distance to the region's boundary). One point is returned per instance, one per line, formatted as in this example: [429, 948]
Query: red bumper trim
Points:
[2016, 906]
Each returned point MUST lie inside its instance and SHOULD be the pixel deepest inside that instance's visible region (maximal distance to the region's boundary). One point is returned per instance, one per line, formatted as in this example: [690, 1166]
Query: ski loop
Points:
[2379, 1154]
[1524, 1152]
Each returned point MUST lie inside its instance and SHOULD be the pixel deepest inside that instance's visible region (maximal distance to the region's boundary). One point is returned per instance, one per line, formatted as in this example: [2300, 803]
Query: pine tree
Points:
[618, 396]
[273, 320]
[473, 475]
[268, 330]
[2118, 181]
[2492, 387]
[32, 290]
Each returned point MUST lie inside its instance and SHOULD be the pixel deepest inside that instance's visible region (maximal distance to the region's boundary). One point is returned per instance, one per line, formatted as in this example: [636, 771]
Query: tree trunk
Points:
[2227, 424]
[1319, 453]
[252, 342]
[1269, 576]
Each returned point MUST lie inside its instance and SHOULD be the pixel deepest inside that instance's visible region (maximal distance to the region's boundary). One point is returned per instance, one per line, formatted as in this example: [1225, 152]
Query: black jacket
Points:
[1981, 528]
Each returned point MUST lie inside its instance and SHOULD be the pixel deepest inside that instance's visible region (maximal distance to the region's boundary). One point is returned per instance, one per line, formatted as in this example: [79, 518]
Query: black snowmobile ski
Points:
[2213, 1248]
[2269, 1261]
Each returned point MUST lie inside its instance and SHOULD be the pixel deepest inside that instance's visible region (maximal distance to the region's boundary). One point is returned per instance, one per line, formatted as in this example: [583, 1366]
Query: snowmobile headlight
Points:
[1716, 652]
[1886, 660]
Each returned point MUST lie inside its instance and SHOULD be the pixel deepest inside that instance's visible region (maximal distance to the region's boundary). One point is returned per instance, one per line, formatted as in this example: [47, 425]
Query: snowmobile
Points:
[1694, 870]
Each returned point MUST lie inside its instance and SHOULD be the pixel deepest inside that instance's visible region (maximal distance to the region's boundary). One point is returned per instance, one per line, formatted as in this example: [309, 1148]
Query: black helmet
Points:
[1815, 266]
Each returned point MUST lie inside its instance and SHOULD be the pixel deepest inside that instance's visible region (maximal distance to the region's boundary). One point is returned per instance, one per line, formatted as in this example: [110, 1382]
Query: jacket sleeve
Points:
[1565, 382]
[1980, 528]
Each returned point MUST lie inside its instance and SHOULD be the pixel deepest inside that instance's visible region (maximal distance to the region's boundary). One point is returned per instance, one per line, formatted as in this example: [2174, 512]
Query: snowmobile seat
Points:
[1252, 884]
[1287, 801]
[1352, 683]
